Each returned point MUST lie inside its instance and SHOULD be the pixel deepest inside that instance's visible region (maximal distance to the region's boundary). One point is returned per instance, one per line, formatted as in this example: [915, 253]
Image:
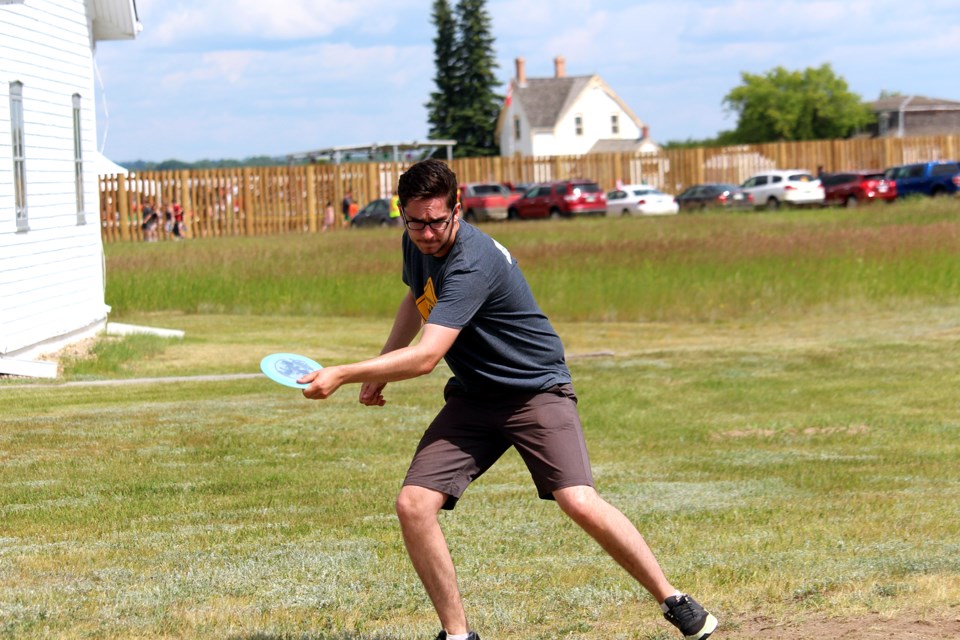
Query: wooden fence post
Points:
[247, 208]
[311, 198]
[123, 206]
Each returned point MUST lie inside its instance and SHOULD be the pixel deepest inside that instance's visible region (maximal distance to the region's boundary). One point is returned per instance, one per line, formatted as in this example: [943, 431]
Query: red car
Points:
[567, 198]
[857, 187]
[485, 201]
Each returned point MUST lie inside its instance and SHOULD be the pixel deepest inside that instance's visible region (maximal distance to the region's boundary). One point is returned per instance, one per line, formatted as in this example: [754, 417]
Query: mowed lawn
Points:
[770, 398]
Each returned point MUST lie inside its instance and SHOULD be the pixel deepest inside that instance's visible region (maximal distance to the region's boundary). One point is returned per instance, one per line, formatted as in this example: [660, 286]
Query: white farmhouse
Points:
[567, 116]
[51, 254]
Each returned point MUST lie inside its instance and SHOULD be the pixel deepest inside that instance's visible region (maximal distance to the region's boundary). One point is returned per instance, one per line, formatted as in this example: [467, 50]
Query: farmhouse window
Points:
[578, 125]
[78, 160]
[614, 124]
[19, 169]
[516, 128]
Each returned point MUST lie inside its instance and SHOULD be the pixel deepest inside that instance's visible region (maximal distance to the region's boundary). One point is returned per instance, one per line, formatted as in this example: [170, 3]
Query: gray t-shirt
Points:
[506, 343]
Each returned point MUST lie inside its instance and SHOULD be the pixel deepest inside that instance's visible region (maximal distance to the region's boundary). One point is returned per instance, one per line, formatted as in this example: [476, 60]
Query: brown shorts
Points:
[471, 433]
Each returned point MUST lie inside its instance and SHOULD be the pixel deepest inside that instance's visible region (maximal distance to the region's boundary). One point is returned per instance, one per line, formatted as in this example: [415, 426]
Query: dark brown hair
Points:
[428, 179]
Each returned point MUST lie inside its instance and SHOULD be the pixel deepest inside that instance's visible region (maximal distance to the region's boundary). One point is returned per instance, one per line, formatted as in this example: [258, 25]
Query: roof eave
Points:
[114, 19]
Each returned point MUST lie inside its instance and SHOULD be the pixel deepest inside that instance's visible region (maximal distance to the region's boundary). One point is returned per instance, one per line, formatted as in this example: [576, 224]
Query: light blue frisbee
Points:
[287, 368]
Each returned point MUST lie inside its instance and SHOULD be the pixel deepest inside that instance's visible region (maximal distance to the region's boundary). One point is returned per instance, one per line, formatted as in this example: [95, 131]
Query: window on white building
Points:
[78, 160]
[19, 168]
[578, 125]
[516, 127]
[614, 124]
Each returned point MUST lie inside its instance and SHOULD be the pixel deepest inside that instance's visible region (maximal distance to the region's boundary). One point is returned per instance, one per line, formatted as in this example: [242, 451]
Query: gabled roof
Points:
[912, 103]
[546, 100]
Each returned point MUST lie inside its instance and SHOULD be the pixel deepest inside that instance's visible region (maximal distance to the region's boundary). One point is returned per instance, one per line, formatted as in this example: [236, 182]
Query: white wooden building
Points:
[51, 254]
[567, 116]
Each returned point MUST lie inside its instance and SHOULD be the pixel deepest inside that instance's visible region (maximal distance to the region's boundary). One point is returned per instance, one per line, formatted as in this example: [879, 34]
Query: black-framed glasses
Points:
[435, 225]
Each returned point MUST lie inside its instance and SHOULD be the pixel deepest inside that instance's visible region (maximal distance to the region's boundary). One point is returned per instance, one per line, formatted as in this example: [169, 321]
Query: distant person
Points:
[151, 222]
[345, 205]
[353, 211]
[179, 228]
[168, 219]
[395, 209]
[328, 216]
[511, 387]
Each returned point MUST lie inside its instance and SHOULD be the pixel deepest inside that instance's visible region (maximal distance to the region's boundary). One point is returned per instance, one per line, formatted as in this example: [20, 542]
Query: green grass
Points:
[691, 267]
[787, 459]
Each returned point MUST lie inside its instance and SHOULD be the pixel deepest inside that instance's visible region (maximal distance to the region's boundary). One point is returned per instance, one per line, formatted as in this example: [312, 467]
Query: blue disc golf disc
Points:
[287, 368]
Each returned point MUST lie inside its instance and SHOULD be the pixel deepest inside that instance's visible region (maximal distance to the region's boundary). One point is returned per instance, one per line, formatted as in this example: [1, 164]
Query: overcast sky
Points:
[238, 78]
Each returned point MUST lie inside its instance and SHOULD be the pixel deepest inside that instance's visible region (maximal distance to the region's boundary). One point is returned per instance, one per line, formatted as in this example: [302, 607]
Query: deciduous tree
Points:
[812, 104]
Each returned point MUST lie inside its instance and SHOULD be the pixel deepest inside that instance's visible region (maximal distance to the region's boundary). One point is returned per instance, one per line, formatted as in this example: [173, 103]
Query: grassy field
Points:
[771, 398]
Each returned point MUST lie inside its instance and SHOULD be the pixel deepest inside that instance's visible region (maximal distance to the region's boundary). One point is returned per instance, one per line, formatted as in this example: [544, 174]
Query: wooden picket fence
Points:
[291, 199]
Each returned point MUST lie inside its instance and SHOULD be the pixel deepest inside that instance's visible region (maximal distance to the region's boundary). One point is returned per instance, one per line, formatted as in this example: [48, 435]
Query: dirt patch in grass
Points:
[77, 350]
[869, 627]
[852, 430]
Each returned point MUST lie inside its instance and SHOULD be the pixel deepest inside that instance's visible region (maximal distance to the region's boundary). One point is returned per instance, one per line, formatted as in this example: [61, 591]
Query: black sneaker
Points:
[472, 636]
[686, 614]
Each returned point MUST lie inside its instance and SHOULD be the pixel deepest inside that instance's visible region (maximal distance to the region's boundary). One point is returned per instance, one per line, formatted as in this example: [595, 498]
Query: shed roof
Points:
[912, 103]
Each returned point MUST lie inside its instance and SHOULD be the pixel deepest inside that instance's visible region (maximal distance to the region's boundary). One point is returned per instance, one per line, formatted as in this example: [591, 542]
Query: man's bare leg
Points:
[417, 508]
[617, 535]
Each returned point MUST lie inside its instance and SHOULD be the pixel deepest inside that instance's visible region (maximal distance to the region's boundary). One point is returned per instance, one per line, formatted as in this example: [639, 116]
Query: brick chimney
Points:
[559, 67]
[646, 133]
[521, 72]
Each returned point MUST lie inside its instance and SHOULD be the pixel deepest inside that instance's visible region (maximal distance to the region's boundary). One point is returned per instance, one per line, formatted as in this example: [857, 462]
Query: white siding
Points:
[595, 106]
[509, 145]
[51, 276]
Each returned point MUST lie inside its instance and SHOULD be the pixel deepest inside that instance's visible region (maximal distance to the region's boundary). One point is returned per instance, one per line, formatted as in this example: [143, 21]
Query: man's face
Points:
[429, 240]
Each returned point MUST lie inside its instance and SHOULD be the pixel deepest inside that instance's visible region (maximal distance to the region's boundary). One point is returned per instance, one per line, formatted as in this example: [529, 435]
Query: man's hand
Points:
[371, 394]
[323, 383]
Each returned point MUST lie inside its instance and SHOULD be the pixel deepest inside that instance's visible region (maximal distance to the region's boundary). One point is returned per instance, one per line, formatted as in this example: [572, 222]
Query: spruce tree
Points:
[464, 106]
[440, 108]
[476, 104]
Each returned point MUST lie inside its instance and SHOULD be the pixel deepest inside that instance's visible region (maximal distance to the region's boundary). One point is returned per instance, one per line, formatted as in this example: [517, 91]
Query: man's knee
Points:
[415, 503]
[578, 502]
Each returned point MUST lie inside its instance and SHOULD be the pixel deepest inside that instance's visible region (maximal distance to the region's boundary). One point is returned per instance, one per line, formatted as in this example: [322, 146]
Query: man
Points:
[510, 387]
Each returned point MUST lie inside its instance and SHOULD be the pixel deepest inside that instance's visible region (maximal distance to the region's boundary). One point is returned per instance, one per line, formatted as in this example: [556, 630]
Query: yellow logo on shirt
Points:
[427, 301]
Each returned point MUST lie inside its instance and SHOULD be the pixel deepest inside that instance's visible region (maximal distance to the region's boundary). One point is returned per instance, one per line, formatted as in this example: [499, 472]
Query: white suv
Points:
[794, 186]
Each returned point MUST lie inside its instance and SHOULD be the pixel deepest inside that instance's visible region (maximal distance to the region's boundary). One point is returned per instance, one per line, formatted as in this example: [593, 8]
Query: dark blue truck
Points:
[926, 178]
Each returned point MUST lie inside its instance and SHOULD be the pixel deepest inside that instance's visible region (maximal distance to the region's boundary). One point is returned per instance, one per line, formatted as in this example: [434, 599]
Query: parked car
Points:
[926, 178]
[703, 196]
[518, 188]
[485, 201]
[562, 198]
[375, 214]
[796, 187]
[639, 199]
[851, 188]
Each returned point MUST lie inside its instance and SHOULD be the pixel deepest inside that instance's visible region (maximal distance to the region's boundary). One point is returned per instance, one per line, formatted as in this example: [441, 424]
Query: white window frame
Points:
[516, 127]
[615, 124]
[78, 160]
[18, 153]
[578, 124]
